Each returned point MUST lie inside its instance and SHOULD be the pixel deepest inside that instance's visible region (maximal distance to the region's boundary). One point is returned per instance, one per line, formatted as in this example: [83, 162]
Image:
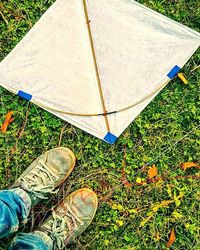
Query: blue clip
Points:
[110, 138]
[174, 72]
[24, 95]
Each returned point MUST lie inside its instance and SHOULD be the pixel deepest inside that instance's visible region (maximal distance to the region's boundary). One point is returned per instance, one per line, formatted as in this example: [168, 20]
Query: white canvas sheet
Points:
[135, 49]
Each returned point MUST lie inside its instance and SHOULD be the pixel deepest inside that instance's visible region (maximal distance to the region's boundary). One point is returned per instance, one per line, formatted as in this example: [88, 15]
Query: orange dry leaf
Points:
[9, 118]
[172, 238]
[187, 165]
[13, 149]
[152, 172]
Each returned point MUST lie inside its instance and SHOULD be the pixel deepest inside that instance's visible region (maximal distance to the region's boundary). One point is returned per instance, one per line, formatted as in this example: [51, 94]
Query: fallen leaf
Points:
[187, 165]
[9, 118]
[172, 238]
[13, 149]
[152, 172]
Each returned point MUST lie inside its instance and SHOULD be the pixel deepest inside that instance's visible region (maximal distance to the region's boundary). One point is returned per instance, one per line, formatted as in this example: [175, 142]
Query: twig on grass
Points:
[61, 135]
[195, 68]
[21, 131]
[3, 17]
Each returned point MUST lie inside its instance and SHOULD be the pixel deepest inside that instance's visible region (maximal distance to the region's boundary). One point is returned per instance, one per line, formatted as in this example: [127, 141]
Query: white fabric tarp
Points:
[135, 49]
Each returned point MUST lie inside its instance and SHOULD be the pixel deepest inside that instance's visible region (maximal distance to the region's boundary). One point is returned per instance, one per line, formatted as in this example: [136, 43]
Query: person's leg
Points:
[68, 220]
[15, 205]
[40, 179]
[31, 241]
[14, 209]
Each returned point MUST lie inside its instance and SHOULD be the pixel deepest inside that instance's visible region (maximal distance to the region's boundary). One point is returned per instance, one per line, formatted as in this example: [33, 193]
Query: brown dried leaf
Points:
[152, 172]
[9, 118]
[172, 238]
[187, 165]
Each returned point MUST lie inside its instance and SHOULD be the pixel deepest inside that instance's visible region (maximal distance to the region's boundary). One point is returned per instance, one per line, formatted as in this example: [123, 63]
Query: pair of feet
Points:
[74, 213]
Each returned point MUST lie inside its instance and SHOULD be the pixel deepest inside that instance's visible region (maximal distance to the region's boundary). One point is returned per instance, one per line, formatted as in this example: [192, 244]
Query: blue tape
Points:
[174, 72]
[110, 138]
[24, 95]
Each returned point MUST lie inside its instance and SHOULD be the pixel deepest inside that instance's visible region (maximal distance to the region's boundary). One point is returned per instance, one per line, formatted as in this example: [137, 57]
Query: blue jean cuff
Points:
[26, 199]
[48, 241]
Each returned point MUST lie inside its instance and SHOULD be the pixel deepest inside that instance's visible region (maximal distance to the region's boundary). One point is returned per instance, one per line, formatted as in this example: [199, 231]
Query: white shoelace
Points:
[58, 226]
[40, 182]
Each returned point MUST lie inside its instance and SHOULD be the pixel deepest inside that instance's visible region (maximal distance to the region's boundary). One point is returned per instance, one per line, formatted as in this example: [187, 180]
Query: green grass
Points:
[166, 133]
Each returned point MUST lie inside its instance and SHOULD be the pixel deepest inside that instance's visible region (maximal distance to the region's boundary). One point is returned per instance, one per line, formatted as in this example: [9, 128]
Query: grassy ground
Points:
[166, 133]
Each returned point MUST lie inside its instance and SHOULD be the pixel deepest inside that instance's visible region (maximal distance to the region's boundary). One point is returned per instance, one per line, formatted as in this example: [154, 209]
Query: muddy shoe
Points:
[69, 219]
[46, 173]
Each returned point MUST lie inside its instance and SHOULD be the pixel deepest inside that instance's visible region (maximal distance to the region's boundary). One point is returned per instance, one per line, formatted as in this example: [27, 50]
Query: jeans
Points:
[14, 209]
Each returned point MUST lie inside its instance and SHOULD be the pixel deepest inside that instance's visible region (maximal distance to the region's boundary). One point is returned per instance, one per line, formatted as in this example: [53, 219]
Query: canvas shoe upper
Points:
[69, 219]
[46, 173]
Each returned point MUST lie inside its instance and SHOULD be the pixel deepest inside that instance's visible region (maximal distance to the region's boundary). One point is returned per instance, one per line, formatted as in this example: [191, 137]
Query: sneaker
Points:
[69, 219]
[46, 173]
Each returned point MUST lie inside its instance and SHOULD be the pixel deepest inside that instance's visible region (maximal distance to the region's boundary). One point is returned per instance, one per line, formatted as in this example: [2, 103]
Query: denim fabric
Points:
[28, 242]
[13, 212]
